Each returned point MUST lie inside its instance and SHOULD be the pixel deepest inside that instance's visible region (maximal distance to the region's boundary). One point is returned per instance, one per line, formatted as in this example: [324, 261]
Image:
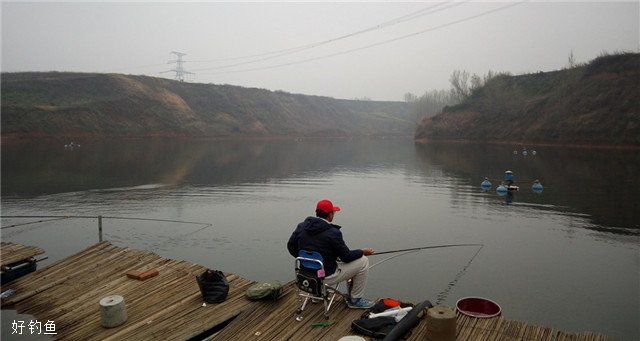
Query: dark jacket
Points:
[316, 234]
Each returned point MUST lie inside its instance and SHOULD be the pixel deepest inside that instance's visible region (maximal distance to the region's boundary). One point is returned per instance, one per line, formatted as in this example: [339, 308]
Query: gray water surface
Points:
[566, 258]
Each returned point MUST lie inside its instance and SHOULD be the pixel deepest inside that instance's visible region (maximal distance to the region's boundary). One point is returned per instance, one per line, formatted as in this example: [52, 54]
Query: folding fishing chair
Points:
[310, 282]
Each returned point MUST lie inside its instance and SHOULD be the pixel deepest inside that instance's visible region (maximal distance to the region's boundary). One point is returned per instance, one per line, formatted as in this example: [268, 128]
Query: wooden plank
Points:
[13, 253]
[169, 305]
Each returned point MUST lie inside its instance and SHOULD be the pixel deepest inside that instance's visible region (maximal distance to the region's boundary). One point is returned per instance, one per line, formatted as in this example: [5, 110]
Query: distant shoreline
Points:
[25, 138]
[14, 138]
[533, 143]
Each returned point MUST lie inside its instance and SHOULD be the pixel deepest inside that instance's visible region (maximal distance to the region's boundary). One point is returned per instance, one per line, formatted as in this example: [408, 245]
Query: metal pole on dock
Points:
[100, 228]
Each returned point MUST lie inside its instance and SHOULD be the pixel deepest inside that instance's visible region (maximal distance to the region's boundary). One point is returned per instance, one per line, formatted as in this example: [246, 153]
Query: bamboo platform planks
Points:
[169, 306]
[274, 321]
[12, 253]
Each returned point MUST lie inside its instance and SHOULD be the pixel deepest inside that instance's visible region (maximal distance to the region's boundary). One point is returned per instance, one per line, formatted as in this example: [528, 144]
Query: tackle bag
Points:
[308, 280]
[268, 290]
[378, 327]
[214, 286]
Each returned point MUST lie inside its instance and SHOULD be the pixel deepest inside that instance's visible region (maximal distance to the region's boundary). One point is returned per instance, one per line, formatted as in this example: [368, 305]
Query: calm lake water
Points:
[566, 258]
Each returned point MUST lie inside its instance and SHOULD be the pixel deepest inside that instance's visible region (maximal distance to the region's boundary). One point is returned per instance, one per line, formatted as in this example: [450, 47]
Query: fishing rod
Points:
[392, 257]
[58, 217]
[424, 248]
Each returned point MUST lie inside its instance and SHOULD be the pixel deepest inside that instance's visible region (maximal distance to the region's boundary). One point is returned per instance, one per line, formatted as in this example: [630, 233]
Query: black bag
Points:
[377, 327]
[307, 280]
[214, 286]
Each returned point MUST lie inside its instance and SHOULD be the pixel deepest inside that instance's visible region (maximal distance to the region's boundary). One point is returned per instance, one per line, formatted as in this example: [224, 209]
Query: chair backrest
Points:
[311, 259]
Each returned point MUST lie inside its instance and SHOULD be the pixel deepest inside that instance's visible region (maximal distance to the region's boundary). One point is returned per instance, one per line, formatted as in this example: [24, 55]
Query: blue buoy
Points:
[502, 189]
[508, 176]
[537, 187]
[486, 184]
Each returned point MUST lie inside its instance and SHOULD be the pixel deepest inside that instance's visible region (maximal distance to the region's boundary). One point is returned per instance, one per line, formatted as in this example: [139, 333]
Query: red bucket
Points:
[478, 307]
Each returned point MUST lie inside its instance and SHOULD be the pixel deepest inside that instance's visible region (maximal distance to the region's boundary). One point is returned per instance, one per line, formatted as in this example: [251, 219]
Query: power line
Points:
[283, 52]
[135, 67]
[406, 17]
[375, 44]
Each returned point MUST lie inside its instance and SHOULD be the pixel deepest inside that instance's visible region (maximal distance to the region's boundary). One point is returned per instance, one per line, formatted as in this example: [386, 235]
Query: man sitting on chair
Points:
[340, 263]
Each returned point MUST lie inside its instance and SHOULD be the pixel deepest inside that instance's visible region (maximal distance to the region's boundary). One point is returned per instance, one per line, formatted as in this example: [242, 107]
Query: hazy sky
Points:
[379, 50]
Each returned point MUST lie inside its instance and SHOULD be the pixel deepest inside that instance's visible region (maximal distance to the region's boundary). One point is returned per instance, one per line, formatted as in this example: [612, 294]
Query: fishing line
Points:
[204, 225]
[105, 217]
[162, 220]
[178, 237]
[443, 294]
[31, 222]
[394, 256]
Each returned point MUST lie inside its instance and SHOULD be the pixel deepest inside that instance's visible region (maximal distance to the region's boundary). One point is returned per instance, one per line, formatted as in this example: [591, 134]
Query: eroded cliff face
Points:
[112, 105]
[593, 104]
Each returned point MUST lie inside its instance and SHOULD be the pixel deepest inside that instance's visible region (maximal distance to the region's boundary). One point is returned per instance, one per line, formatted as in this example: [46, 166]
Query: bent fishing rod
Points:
[403, 252]
[424, 248]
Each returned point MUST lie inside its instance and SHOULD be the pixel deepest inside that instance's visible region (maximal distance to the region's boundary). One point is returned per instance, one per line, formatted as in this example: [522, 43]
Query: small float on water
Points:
[507, 187]
[537, 186]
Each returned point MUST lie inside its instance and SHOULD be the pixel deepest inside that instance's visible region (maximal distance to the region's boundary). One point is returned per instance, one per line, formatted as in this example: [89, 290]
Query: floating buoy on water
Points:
[508, 175]
[486, 184]
[502, 189]
[537, 187]
[533, 152]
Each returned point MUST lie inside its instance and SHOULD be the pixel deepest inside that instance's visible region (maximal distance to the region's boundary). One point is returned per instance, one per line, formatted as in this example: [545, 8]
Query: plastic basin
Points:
[478, 307]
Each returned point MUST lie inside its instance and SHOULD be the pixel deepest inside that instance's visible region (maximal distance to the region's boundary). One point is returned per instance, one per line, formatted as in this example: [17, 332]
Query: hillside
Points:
[56, 104]
[595, 104]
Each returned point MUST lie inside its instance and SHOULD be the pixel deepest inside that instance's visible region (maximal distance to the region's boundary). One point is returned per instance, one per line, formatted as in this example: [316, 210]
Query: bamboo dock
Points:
[169, 306]
[11, 253]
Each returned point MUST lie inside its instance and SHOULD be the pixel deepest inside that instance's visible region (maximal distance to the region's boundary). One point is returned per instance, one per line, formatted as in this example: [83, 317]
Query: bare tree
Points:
[476, 83]
[431, 103]
[409, 97]
[459, 84]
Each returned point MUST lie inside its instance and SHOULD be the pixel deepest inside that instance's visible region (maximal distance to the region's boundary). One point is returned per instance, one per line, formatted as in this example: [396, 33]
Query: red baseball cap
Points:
[327, 206]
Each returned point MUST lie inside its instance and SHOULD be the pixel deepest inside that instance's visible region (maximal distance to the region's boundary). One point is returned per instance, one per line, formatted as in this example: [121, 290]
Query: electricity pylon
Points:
[179, 69]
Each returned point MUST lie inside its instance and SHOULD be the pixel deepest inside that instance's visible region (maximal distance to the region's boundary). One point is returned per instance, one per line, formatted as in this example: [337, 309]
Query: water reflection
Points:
[36, 168]
[600, 182]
